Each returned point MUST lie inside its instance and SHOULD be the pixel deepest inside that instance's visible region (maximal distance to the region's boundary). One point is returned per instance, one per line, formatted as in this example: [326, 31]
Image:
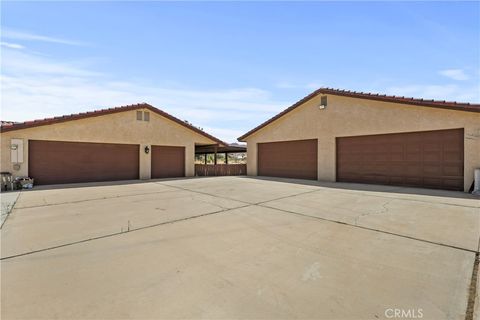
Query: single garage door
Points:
[168, 162]
[288, 159]
[53, 162]
[430, 159]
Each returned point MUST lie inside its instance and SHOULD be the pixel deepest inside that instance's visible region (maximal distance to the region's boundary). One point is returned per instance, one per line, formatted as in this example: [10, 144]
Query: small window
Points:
[139, 115]
[146, 116]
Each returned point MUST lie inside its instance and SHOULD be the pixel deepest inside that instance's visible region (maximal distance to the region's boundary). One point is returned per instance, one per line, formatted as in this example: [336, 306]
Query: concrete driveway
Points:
[238, 247]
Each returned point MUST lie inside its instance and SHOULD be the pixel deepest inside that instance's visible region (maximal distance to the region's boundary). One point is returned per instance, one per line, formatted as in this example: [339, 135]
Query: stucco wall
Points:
[351, 117]
[119, 127]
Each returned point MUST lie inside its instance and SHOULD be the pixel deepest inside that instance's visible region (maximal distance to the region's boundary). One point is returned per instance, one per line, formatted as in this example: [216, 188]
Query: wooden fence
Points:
[220, 170]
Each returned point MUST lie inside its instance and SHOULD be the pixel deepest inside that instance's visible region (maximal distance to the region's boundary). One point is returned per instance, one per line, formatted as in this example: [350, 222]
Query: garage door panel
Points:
[395, 156]
[432, 159]
[432, 182]
[453, 156]
[355, 157]
[452, 146]
[411, 156]
[395, 170]
[454, 184]
[454, 171]
[396, 180]
[413, 147]
[413, 181]
[383, 156]
[288, 159]
[413, 170]
[433, 170]
[433, 146]
[432, 156]
[168, 162]
[57, 162]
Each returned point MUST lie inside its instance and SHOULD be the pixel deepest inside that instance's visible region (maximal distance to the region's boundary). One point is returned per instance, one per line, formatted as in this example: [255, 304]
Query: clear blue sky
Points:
[228, 66]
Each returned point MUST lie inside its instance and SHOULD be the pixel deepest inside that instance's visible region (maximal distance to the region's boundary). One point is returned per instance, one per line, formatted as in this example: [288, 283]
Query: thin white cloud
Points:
[36, 87]
[26, 36]
[455, 74]
[11, 45]
[16, 62]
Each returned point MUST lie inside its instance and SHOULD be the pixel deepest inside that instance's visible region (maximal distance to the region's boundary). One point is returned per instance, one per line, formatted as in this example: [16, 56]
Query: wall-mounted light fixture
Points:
[16, 150]
[147, 149]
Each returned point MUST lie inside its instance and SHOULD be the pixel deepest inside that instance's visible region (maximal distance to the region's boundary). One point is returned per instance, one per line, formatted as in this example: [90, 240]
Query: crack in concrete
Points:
[383, 210]
[10, 209]
[473, 293]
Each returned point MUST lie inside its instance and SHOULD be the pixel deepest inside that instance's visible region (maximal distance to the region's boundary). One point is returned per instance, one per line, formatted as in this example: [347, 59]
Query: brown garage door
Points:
[430, 159]
[288, 159]
[52, 162]
[168, 162]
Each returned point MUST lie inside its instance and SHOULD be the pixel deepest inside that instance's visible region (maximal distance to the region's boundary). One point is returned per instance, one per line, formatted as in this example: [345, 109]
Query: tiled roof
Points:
[459, 106]
[4, 123]
[48, 121]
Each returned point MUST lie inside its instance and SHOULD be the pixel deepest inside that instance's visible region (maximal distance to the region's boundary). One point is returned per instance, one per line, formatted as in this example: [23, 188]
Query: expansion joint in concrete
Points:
[118, 233]
[94, 199]
[371, 229]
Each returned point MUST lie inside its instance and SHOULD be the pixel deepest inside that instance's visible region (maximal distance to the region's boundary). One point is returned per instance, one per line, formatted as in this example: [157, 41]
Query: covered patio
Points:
[215, 160]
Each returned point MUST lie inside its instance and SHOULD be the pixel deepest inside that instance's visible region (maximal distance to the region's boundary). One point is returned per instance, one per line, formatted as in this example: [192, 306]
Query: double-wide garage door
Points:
[430, 159]
[288, 159]
[53, 162]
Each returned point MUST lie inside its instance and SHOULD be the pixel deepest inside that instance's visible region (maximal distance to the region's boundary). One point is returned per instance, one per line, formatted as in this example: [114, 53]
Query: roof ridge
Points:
[332, 91]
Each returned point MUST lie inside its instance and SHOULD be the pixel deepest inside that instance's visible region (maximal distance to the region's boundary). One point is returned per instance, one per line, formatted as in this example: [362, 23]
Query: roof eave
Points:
[91, 114]
[465, 107]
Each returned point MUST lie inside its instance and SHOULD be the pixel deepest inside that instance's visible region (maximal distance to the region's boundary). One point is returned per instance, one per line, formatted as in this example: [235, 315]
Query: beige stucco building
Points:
[111, 144]
[336, 135]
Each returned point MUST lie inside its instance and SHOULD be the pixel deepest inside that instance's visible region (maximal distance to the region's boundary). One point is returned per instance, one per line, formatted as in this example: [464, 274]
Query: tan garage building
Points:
[130, 142]
[338, 135]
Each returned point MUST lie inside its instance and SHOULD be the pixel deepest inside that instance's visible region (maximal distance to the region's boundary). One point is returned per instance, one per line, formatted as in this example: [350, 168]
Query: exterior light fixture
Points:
[147, 149]
[323, 102]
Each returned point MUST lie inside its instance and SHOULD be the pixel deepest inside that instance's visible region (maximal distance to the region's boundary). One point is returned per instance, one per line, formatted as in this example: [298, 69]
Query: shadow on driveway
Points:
[371, 187]
[324, 184]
